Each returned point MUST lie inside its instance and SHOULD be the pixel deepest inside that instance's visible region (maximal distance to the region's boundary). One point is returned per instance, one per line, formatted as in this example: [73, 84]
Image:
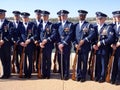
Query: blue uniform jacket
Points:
[65, 34]
[29, 33]
[106, 38]
[117, 38]
[86, 33]
[16, 32]
[5, 31]
[48, 33]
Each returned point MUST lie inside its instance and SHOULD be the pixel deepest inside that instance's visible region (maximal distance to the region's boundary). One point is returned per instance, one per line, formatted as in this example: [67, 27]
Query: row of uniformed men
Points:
[101, 36]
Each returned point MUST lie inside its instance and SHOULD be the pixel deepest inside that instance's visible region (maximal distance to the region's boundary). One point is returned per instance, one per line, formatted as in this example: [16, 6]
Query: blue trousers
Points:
[5, 55]
[101, 66]
[116, 66]
[28, 54]
[65, 61]
[46, 62]
[82, 65]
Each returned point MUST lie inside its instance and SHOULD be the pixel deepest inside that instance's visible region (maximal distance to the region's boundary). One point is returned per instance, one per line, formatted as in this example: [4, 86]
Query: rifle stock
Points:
[90, 59]
[74, 63]
[14, 58]
[109, 67]
[92, 65]
[74, 66]
[21, 62]
[23, 57]
[34, 57]
[39, 64]
[93, 62]
[35, 54]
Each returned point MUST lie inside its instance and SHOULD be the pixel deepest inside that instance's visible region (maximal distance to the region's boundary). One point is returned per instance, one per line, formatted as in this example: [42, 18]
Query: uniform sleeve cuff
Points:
[86, 39]
[18, 41]
[6, 39]
[49, 39]
[65, 42]
[32, 39]
[103, 41]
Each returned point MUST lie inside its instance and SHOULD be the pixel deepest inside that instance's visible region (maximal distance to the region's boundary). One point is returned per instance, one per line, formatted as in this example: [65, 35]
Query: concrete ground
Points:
[55, 83]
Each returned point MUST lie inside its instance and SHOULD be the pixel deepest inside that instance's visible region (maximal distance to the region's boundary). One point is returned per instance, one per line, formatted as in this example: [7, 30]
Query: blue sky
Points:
[106, 6]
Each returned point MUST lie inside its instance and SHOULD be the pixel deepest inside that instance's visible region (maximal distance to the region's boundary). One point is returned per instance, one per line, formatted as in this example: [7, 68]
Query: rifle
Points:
[109, 67]
[74, 66]
[22, 57]
[35, 56]
[90, 59]
[35, 52]
[14, 58]
[54, 61]
[21, 62]
[40, 64]
[74, 63]
[40, 61]
[92, 64]
[62, 76]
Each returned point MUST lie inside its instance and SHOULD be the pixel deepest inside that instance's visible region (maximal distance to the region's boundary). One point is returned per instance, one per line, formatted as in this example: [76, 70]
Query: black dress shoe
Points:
[5, 77]
[66, 78]
[112, 82]
[101, 80]
[29, 76]
[43, 77]
[78, 79]
[96, 79]
[47, 77]
[83, 80]
[117, 82]
[25, 76]
[62, 78]
[8, 76]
